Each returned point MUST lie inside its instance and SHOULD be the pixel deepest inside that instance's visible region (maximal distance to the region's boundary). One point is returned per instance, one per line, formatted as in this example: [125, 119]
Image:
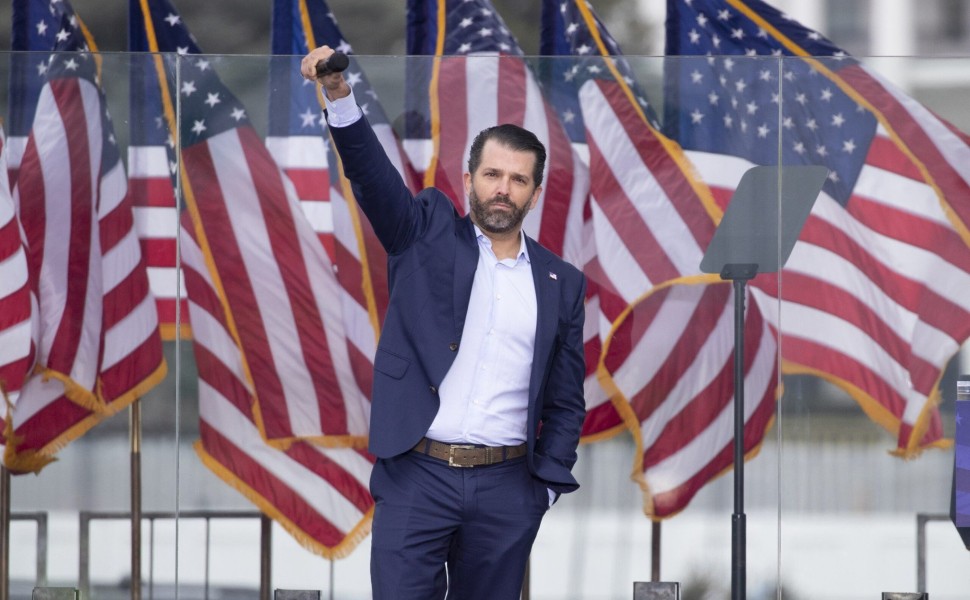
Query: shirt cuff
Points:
[342, 111]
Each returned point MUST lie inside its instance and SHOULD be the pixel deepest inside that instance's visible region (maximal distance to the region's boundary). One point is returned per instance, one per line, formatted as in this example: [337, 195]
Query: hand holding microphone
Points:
[335, 63]
[324, 66]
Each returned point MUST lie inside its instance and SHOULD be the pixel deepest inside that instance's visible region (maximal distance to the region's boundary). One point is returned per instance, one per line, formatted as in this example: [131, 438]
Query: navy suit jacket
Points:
[432, 257]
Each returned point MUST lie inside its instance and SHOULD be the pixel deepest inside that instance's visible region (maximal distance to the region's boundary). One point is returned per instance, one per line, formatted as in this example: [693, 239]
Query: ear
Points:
[535, 197]
[467, 178]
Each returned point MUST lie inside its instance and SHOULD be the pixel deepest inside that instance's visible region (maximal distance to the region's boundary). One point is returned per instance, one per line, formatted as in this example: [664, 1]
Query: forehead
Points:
[496, 155]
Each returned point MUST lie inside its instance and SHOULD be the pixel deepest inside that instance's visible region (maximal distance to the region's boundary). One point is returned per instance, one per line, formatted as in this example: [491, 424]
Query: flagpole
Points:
[4, 533]
[265, 556]
[134, 426]
[655, 551]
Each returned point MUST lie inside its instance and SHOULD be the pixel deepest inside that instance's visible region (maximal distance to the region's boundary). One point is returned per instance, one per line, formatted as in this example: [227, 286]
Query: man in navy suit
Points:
[478, 377]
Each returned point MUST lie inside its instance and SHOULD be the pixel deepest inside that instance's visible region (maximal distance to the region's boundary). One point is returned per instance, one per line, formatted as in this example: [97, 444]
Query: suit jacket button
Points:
[433, 389]
[453, 346]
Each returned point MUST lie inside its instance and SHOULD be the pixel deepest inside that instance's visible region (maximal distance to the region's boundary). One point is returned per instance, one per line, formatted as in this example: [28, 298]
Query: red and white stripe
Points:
[303, 158]
[131, 346]
[668, 351]
[14, 147]
[156, 221]
[98, 344]
[57, 195]
[17, 302]
[358, 258]
[320, 495]
[278, 284]
[940, 151]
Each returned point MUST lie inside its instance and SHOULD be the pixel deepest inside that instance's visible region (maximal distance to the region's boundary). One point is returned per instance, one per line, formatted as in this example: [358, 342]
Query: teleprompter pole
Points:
[739, 276]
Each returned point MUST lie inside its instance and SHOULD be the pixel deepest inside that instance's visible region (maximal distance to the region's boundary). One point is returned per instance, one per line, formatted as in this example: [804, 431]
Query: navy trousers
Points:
[466, 532]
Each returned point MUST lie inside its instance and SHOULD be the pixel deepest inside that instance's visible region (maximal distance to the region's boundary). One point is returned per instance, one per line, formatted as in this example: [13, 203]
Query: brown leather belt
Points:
[468, 455]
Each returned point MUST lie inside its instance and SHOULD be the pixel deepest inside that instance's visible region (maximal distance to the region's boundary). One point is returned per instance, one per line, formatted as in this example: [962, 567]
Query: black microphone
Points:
[336, 63]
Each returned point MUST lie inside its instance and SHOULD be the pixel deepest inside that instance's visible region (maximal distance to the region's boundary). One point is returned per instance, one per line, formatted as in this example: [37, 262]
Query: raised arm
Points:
[378, 186]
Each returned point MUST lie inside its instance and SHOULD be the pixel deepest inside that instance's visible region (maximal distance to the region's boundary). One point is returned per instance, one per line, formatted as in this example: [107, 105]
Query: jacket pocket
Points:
[390, 364]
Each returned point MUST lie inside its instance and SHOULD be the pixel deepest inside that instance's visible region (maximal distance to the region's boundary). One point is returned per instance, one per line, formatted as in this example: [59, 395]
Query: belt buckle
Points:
[451, 455]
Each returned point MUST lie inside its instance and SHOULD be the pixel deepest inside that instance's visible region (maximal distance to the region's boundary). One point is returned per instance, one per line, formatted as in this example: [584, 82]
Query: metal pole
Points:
[921, 520]
[4, 533]
[84, 558]
[151, 558]
[134, 427]
[738, 558]
[265, 556]
[208, 548]
[42, 549]
[655, 551]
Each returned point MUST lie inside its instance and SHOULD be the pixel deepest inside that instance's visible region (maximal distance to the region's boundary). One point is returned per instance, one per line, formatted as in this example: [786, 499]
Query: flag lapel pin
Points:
[553, 276]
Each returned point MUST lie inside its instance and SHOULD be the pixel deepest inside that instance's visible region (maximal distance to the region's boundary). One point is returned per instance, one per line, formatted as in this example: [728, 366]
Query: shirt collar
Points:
[523, 249]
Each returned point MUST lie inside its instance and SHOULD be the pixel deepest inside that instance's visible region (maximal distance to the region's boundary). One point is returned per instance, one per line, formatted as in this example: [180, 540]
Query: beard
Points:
[495, 220]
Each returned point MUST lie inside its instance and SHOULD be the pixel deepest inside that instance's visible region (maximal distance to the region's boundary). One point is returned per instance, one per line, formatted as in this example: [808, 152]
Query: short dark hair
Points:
[513, 137]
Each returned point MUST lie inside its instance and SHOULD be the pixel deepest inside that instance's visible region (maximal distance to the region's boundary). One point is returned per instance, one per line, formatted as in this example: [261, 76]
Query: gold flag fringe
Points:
[347, 545]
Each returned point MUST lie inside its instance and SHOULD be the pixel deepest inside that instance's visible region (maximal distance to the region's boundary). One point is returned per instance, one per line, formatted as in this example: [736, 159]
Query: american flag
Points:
[667, 330]
[471, 74]
[297, 127]
[17, 301]
[282, 416]
[319, 495]
[360, 260]
[31, 29]
[151, 169]
[872, 295]
[603, 419]
[98, 343]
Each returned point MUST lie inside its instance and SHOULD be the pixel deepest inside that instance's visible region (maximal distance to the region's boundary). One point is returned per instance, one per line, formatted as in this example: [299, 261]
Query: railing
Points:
[921, 520]
[41, 519]
[86, 517]
[84, 541]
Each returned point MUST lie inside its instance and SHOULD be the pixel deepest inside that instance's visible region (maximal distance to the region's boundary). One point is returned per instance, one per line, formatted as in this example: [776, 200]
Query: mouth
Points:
[501, 204]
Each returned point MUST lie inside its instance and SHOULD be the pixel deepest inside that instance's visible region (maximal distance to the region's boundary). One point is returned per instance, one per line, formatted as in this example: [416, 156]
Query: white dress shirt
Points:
[485, 394]
[342, 111]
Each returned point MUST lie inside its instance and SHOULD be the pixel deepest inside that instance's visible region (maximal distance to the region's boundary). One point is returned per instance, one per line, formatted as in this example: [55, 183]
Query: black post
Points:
[265, 556]
[134, 428]
[739, 274]
[4, 533]
[655, 551]
[754, 236]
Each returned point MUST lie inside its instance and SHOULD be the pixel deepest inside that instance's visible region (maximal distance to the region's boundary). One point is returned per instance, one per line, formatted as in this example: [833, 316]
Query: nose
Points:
[504, 185]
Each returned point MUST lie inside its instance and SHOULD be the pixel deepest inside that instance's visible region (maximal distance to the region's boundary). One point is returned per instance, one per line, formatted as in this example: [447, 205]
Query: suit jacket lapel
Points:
[547, 300]
[466, 261]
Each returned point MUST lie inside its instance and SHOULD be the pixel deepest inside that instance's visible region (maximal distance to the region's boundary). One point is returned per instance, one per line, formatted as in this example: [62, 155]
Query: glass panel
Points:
[727, 121]
[96, 418]
[871, 322]
[848, 351]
